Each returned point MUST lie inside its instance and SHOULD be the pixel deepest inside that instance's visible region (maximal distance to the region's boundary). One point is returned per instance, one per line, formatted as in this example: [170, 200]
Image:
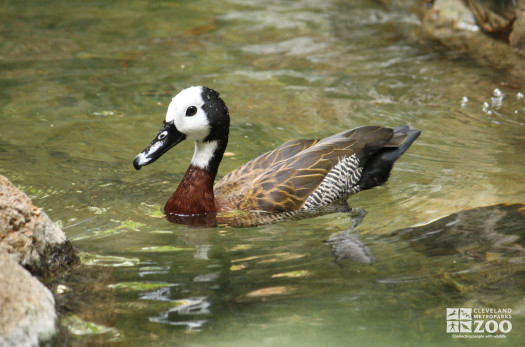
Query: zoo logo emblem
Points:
[483, 322]
[459, 320]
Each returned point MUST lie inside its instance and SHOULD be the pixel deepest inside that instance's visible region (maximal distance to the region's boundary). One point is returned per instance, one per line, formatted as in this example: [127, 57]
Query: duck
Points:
[299, 178]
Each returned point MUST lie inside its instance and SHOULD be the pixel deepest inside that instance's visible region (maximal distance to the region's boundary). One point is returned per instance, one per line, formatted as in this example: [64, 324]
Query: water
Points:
[84, 86]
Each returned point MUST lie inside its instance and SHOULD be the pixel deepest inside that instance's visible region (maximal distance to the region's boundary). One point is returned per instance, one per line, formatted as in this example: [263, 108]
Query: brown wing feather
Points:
[277, 182]
[241, 177]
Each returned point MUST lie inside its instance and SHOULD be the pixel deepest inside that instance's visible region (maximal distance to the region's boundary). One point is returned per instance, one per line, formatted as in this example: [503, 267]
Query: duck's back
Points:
[239, 186]
[307, 174]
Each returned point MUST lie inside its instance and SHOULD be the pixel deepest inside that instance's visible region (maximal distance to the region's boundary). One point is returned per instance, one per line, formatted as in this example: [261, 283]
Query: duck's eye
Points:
[162, 135]
[190, 111]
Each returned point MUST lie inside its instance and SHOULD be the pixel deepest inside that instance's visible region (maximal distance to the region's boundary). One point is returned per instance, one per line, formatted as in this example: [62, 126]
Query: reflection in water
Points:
[346, 245]
[187, 311]
[201, 252]
[186, 308]
[183, 312]
[196, 220]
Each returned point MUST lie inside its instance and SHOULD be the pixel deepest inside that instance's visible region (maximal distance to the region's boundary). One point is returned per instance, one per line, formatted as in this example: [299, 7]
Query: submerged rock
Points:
[85, 300]
[477, 255]
[27, 307]
[475, 232]
[29, 236]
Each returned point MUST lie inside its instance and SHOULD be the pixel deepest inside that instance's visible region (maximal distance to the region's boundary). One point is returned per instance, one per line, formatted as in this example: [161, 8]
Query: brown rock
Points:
[449, 22]
[29, 236]
[493, 16]
[505, 19]
[517, 37]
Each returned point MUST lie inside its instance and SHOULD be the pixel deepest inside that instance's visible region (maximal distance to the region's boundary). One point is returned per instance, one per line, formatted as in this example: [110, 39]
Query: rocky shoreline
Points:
[33, 249]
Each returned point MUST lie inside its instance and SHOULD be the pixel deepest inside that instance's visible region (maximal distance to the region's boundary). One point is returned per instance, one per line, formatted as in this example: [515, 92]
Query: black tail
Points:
[377, 168]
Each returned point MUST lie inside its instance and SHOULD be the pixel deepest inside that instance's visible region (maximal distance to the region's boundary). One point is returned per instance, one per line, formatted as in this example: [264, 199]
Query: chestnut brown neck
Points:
[194, 195]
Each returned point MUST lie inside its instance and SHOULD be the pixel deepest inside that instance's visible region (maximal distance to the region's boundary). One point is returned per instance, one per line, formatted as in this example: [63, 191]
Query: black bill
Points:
[167, 137]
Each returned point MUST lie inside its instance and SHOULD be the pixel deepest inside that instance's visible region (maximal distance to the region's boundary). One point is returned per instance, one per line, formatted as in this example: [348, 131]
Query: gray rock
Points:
[27, 307]
[29, 236]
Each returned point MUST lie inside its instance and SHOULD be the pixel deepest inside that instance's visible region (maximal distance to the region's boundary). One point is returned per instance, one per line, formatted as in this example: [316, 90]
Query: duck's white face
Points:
[196, 113]
[187, 114]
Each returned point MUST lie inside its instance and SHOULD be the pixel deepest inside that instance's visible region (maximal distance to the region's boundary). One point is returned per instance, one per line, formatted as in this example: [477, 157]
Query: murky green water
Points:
[84, 87]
